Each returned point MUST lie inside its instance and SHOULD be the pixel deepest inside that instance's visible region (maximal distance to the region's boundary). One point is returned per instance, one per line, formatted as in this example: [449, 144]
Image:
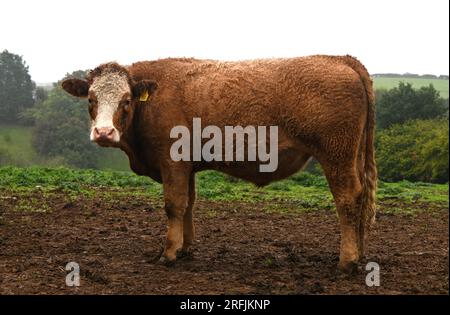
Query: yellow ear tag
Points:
[144, 96]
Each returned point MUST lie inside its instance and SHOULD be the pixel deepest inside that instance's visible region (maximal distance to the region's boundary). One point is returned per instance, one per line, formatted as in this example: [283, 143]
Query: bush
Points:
[416, 150]
[404, 103]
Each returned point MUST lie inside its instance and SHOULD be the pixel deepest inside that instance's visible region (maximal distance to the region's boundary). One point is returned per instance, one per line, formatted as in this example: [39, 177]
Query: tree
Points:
[16, 87]
[61, 128]
[404, 103]
[40, 95]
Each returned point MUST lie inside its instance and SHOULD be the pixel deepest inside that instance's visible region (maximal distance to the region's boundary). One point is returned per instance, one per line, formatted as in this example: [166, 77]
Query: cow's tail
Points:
[369, 173]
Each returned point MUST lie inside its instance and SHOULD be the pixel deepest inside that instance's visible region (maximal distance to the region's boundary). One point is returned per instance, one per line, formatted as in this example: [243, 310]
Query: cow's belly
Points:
[290, 161]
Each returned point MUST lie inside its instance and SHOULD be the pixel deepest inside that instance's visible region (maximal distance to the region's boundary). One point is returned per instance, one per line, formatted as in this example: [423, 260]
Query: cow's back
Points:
[257, 92]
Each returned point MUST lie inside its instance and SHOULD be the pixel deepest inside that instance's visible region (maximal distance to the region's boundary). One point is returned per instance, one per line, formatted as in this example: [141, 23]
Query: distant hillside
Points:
[16, 142]
[387, 82]
[410, 75]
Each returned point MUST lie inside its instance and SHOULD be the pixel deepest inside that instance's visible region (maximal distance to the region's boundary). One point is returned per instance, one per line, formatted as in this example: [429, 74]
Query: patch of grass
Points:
[69, 179]
[303, 188]
[301, 192]
[413, 192]
[33, 204]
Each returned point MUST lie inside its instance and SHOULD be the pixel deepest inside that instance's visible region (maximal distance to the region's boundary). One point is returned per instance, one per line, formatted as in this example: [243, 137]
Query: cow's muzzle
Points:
[104, 135]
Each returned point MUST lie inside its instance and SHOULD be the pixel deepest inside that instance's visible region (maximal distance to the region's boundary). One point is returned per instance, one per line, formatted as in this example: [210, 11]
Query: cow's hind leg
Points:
[346, 188]
[188, 222]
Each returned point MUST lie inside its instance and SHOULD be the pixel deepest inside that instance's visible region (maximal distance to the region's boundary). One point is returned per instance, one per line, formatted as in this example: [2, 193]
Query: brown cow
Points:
[323, 107]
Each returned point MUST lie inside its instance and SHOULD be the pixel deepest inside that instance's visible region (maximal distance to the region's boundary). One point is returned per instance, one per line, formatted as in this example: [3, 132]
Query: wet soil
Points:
[239, 249]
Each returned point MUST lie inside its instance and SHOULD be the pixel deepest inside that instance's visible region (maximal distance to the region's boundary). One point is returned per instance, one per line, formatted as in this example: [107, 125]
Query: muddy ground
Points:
[239, 249]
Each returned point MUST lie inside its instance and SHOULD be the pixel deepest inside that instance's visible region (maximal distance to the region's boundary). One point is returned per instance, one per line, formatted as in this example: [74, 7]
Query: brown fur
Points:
[323, 105]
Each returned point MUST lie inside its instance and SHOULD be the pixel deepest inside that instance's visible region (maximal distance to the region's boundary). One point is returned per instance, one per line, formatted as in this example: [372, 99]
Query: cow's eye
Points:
[126, 105]
[91, 104]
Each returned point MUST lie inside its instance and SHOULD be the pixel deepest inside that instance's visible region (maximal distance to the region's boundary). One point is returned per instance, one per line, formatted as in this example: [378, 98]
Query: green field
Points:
[440, 85]
[304, 191]
[16, 140]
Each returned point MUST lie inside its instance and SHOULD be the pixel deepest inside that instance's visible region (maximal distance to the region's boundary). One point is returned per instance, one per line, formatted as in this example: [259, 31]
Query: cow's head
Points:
[113, 96]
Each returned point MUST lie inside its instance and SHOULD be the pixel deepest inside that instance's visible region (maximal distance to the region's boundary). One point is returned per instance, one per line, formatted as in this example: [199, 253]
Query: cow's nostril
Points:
[103, 133]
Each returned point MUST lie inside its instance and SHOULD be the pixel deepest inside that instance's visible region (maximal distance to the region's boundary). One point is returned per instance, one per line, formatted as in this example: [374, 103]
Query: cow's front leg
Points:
[176, 198]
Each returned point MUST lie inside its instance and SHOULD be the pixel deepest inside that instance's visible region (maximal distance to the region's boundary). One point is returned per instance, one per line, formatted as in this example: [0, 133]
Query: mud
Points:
[239, 249]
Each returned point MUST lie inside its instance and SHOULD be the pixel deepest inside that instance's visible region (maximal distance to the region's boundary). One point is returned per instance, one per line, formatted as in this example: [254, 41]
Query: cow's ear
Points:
[143, 89]
[76, 87]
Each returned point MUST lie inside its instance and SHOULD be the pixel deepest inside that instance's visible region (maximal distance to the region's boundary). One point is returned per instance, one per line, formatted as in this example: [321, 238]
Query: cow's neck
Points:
[130, 145]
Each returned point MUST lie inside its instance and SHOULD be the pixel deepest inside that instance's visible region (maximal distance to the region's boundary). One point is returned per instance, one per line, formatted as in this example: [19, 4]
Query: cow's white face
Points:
[112, 97]
[107, 94]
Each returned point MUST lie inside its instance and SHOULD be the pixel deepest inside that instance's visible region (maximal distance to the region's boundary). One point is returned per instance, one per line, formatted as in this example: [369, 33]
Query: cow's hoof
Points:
[348, 267]
[163, 260]
[185, 253]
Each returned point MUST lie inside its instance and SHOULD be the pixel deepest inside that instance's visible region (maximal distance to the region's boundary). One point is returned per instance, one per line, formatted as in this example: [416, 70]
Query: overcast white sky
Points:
[56, 37]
